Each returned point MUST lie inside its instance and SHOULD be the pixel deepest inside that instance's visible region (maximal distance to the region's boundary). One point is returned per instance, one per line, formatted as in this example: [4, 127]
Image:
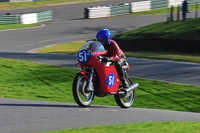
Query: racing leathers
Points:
[118, 57]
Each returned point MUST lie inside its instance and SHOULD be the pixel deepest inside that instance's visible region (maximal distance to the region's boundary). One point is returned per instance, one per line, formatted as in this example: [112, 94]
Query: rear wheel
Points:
[125, 101]
[82, 97]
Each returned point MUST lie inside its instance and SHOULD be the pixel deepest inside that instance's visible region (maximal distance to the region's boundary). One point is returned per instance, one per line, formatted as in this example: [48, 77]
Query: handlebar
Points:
[100, 58]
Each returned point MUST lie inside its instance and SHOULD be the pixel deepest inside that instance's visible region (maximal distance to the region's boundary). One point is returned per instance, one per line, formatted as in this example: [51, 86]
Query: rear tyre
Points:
[82, 97]
[125, 101]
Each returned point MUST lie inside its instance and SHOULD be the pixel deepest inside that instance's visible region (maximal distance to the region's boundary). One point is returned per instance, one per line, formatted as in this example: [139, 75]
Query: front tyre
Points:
[125, 101]
[82, 97]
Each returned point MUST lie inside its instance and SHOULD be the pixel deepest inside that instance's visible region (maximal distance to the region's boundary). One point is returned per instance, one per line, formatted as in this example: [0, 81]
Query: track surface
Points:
[24, 116]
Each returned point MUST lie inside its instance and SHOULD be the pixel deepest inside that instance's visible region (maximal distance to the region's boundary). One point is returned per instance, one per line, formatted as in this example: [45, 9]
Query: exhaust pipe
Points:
[132, 87]
[128, 90]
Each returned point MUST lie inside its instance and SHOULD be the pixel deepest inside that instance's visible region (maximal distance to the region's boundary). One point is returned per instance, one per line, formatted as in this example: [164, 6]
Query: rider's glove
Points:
[106, 59]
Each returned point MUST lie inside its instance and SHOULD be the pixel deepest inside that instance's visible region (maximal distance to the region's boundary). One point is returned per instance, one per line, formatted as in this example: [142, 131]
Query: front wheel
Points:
[82, 97]
[125, 101]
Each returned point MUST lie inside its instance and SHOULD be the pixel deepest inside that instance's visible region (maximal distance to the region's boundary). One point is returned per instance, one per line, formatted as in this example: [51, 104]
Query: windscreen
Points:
[93, 46]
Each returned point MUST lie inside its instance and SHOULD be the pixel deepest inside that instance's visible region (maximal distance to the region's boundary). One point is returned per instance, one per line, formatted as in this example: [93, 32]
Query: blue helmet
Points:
[104, 35]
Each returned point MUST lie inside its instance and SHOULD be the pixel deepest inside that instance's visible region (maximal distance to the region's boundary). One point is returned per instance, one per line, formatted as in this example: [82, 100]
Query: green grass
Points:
[70, 48]
[14, 5]
[26, 80]
[15, 26]
[173, 30]
[32, 81]
[147, 127]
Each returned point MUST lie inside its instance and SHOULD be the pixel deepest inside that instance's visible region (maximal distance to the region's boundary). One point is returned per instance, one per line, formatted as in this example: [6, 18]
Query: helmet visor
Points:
[101, 41]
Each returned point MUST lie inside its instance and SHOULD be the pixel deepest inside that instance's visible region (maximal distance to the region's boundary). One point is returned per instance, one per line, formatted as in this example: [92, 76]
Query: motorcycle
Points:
[99, 78]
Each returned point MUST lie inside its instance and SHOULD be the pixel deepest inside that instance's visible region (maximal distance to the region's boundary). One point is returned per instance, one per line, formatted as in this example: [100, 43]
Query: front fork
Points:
[90, 86]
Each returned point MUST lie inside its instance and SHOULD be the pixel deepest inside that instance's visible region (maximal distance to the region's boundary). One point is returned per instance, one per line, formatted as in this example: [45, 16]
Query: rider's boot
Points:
[125, 84]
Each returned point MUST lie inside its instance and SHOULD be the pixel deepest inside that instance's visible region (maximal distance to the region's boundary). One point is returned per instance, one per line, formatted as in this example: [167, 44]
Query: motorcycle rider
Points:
[114, 53]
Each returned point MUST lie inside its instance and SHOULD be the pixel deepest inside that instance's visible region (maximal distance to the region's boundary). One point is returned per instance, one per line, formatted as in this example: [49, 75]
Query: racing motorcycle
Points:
[99, 78]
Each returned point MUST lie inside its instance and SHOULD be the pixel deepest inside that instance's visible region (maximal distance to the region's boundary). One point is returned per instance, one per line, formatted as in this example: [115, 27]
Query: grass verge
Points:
[173, 30]
[14, 5]
[15, 26]
[69, 48]
[73, 47]
[180, 37]
[147, 127]
[32, 81]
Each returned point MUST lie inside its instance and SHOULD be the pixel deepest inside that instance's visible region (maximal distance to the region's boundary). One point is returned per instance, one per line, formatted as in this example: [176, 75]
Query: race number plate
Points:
[110, 80]
[84, 56]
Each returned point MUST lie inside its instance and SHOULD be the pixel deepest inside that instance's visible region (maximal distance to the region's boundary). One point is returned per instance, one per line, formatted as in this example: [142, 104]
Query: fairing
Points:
[109, 80]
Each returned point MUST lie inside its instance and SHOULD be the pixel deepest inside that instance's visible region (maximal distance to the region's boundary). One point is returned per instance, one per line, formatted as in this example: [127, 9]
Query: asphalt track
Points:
[24, 116]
